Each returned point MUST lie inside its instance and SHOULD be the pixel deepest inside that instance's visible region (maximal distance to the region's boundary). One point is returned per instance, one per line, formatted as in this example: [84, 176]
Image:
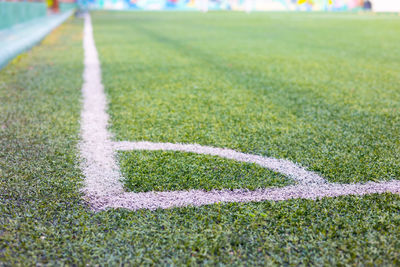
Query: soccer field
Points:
[318, 91]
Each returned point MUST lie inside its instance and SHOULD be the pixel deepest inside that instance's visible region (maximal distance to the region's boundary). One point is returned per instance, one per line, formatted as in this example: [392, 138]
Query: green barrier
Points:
[22, 37]
[12, 13]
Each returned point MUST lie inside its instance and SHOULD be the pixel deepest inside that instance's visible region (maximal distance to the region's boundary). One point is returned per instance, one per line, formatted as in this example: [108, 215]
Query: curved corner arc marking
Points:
[103, 189]
[285, 167]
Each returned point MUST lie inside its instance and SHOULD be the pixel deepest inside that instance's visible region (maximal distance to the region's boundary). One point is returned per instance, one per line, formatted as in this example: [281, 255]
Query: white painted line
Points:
[103, 188]
[98, 164]
[285, 167]
[165, 200]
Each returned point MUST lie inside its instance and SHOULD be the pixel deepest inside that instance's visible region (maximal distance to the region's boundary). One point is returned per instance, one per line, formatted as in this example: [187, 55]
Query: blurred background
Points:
[239, 5]
[249, 5]
[17, 11]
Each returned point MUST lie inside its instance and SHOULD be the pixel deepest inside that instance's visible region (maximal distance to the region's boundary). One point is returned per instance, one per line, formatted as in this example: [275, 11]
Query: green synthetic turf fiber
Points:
[329, 100]
[317, 89]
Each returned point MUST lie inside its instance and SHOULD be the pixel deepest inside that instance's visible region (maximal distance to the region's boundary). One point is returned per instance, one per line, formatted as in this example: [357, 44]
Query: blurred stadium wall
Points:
[386, 5]
[256, 5]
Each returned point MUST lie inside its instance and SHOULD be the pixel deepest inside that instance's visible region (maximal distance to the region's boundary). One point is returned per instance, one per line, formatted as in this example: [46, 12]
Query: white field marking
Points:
[165, 200]
[99, 165]
[103, 188]
[285, 167]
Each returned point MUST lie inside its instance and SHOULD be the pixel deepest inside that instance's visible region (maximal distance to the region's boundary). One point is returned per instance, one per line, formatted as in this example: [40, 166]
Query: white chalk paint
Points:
[103, 188]
[98, 164]
[165, 200]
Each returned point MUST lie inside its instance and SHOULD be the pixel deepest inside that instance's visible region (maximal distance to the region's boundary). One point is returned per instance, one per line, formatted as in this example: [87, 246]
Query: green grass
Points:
[320, 90]
[44, 219]
[166, 171]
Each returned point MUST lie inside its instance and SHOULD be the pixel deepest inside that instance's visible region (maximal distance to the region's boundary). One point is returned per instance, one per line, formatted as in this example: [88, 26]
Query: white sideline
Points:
[99, 165]
[103, 188]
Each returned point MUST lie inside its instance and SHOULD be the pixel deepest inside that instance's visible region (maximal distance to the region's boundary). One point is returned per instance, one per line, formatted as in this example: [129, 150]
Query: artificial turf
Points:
[320, 90]
[43, 215]
[166, 171]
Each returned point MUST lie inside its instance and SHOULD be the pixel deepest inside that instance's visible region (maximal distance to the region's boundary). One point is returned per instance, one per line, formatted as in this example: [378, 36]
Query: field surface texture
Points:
[320, 90]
